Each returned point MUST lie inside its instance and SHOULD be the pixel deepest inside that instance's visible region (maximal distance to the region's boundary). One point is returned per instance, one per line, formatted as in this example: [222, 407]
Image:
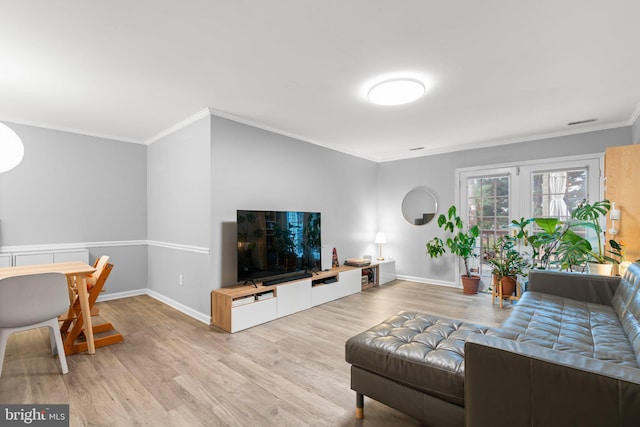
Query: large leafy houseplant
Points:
[559, 244]
[462, 241]
[590, 216]
[552, 237]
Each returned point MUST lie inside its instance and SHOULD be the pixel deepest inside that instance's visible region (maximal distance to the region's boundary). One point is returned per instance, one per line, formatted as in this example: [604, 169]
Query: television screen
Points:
[275, 244]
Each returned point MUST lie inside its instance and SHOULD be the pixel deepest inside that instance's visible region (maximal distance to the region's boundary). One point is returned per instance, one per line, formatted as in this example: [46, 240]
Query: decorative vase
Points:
[601, 269]
[470, 284]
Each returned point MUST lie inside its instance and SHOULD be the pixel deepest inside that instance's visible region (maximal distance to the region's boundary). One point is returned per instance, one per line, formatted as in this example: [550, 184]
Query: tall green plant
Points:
[590, 215]
[555, 244]
[560, 243]
[461, 243]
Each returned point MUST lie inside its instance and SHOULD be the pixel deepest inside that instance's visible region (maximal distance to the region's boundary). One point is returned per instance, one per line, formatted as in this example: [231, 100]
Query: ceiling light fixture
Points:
[396, 92]
[11, 149]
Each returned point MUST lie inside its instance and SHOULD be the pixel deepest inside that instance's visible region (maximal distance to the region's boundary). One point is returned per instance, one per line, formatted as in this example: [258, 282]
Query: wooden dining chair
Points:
[91, 279]
[72, 321]
[30, 302]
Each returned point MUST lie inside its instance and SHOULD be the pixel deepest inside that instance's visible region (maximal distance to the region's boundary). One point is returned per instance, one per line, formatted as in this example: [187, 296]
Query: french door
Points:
[487, 199]
[491, 197]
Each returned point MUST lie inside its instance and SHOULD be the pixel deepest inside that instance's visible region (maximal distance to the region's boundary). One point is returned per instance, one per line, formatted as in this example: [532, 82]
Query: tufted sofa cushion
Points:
[422, 351]
[626, 302]
[578, 327]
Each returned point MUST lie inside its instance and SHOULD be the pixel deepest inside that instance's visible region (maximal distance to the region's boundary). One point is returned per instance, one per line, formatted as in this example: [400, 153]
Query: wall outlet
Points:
[180, 281]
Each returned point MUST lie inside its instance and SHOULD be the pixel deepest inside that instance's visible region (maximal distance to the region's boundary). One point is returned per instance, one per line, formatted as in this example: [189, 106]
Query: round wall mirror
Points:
[419, 206]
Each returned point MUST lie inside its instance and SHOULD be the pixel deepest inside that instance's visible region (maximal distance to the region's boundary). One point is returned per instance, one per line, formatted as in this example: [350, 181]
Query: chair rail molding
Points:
[106, 244]
[179, 246]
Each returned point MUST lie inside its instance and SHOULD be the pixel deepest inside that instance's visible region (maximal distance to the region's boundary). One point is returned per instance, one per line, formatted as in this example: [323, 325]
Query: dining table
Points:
[76, 273]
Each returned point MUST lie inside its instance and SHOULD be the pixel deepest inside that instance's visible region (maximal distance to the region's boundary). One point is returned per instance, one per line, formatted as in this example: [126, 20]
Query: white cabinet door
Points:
[325, 293]
[387, 272]
[351, 282]
[294, 297]
[33, 258]
[81, 255]
[5, 260]
[253, 314]
[348, 283]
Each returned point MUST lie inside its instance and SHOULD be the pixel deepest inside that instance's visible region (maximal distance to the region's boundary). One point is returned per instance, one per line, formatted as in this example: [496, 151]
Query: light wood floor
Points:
[175, 371]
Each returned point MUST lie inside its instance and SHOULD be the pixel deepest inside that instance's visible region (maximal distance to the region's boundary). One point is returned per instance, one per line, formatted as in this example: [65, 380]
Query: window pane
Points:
[489, 210]
[557, 193]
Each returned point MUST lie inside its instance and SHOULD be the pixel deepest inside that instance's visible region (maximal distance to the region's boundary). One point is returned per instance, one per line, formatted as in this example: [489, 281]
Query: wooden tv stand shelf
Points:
[242, 306]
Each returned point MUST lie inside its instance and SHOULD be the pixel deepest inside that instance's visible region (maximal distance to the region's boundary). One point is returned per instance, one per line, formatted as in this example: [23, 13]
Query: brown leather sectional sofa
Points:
[569, 354]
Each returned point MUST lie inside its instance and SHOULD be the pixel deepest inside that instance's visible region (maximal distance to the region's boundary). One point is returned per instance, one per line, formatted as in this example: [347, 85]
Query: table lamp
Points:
[381, 239]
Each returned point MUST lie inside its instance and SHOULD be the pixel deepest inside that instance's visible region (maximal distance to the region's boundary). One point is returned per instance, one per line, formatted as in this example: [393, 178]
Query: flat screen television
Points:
[277, 245]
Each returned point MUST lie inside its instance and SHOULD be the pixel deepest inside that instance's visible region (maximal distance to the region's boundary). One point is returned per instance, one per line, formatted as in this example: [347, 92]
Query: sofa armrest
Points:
[510, 383]
[591, 288]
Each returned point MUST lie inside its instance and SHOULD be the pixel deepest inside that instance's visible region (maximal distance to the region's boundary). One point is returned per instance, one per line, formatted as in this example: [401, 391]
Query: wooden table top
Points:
[67, 268]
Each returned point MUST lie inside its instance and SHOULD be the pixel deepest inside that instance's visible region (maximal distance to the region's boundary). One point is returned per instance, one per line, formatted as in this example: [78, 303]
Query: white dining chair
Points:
[30, 302]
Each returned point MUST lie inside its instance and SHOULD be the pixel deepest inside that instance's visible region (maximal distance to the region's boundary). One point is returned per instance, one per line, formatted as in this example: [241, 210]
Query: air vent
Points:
[581, 122]
[416, 148]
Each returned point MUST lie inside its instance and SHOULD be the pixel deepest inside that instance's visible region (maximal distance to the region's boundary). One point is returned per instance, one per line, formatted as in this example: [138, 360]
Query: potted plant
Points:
[554, 244]
[558, 244]
[461, 243]
[507, 264]
[590, 216]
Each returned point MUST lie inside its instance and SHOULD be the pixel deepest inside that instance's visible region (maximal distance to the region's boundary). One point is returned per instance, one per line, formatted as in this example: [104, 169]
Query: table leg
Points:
[81, 283]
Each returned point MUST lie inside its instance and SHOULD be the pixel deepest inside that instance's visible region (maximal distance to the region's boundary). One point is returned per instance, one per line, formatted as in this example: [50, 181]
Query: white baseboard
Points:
[429, 281]
[204, 318]
[119, 295]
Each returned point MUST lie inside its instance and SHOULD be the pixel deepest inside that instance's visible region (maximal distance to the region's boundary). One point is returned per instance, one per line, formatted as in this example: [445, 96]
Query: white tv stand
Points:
[291, 297]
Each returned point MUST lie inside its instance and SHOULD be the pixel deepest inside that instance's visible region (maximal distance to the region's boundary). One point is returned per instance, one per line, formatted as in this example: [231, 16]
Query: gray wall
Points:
[635, 132]
[199, 176]
[73, 188]
[256, 169]
[407, 242]
[179, 194]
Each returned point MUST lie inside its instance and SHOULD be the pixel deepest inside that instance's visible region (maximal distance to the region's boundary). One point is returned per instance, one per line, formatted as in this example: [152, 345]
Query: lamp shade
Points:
[381, 238]
[11, 149]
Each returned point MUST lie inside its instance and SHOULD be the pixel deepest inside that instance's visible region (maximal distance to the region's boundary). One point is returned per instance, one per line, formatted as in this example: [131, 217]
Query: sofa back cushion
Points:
[626, 303]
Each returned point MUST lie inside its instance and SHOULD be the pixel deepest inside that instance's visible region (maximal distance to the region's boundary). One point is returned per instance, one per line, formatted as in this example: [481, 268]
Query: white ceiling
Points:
[498, 71]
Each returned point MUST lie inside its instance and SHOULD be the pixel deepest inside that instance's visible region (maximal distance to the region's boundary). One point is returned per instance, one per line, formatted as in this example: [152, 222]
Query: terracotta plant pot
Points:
[470, 284]
[508, 285]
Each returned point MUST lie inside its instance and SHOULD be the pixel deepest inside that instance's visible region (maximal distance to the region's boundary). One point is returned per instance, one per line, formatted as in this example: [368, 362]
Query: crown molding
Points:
[496, 143]
[180, 125]
[245, 121]
[73, 130]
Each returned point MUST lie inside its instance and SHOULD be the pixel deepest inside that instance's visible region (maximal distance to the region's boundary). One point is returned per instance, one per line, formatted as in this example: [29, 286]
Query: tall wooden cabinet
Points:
[622, 185]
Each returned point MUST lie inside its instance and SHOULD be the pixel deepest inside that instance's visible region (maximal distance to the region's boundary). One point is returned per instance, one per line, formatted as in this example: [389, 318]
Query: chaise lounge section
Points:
[568, 354]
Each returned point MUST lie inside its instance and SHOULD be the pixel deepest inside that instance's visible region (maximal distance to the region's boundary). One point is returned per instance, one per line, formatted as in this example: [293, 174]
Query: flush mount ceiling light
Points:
[396, 92]
[11, 149]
